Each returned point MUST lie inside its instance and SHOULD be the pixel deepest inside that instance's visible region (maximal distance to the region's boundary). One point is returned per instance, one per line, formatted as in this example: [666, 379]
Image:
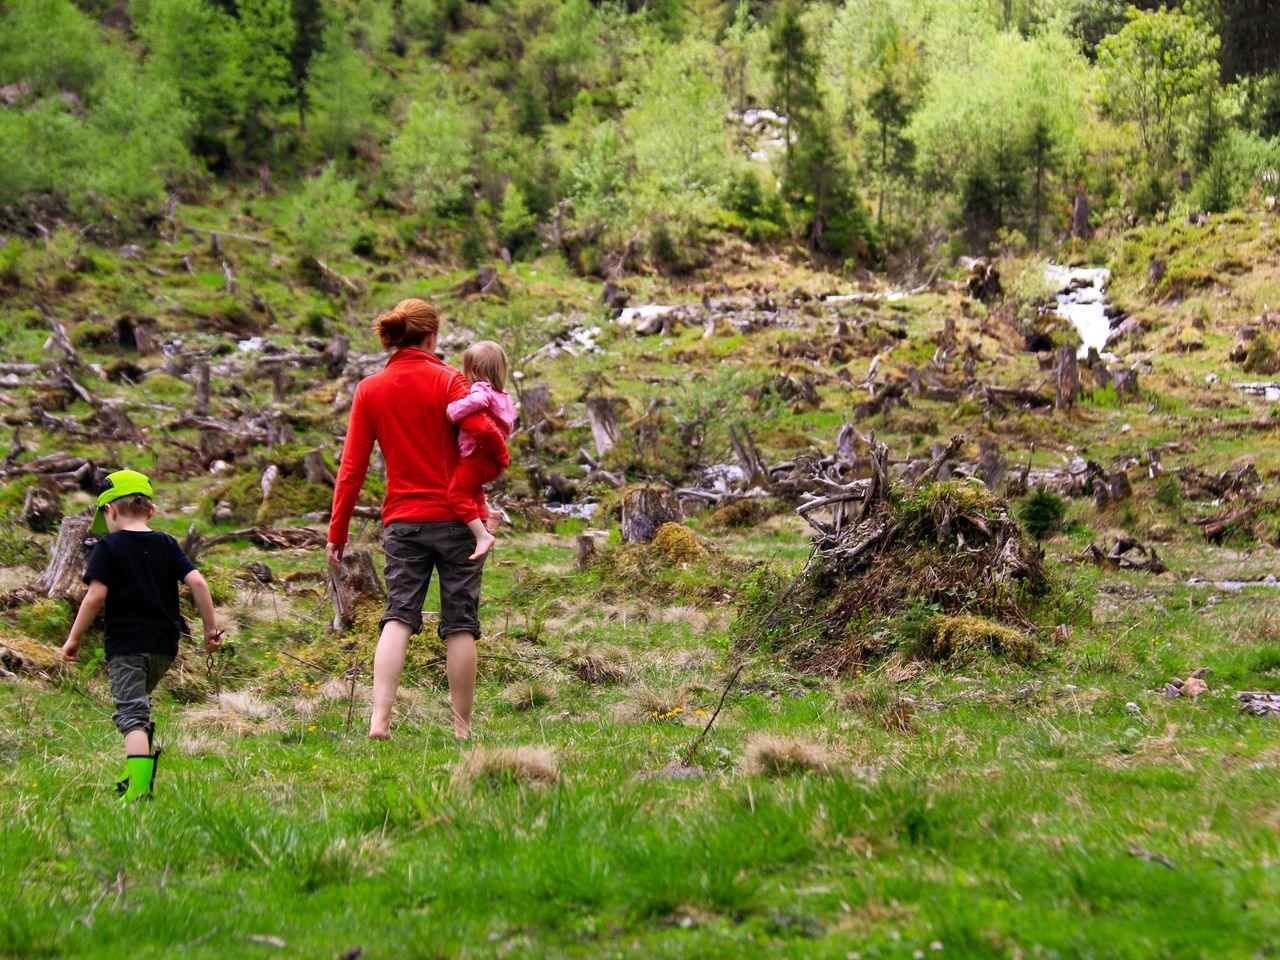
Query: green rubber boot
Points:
[142, 772]
[122, 785]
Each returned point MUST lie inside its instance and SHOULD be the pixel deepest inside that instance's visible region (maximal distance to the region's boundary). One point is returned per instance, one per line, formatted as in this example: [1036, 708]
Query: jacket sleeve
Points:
[352, 470]
[473, 402]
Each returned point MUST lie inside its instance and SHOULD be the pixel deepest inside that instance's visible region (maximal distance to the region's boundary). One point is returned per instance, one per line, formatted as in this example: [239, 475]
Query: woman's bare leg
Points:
[388, 665]
[461, 669]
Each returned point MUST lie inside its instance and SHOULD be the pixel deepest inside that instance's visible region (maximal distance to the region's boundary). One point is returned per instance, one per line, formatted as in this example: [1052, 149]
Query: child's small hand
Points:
[212, 639]
[70, 649]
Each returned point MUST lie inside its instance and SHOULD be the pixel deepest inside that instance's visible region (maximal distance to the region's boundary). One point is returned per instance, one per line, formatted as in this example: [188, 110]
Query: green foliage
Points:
[46, 620]
[1041, 513]
[198, 50]
[515, 222]
[431, 158]
[269, 33]
[598, 182]
[1152, 68]
[678, 134]
[324, 216]
[341, 90]
[52, 46]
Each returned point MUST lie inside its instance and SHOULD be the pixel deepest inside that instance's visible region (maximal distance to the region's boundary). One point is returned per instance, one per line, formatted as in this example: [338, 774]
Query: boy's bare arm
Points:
[94, 600]
[204, 603]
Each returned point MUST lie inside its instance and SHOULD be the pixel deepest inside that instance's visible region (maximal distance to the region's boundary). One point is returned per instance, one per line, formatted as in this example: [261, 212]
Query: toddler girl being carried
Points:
[485, 367]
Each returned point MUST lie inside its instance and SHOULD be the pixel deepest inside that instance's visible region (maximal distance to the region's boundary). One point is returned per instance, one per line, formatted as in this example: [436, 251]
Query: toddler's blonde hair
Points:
[486, 360]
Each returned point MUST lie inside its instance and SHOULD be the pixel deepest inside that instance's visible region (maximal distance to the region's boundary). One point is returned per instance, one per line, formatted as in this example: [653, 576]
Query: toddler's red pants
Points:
[466, 489]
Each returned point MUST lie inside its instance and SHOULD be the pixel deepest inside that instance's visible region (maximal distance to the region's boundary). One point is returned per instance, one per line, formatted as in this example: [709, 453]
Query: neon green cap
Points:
[122, 483]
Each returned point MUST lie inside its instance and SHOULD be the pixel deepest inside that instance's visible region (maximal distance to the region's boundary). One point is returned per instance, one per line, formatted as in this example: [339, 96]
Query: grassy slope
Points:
[999, 822]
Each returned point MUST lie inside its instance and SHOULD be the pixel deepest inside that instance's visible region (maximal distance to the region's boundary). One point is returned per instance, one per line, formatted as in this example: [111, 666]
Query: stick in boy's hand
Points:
[212, 640]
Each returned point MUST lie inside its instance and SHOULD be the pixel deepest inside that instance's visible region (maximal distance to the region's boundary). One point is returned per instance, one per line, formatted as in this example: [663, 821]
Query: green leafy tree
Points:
[430, 160]
[325, 214]
[735, 51]
[599, 185]
[795, 74]
[268, 31]
[340, 91]
[516, 222]
[308, 36]
[1161, 61]
[196, 49]
[677, 132]
[51, 46]
[896, 78]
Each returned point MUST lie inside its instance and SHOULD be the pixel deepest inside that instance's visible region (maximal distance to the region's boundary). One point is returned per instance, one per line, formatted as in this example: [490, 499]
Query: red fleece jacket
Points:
[402, 407]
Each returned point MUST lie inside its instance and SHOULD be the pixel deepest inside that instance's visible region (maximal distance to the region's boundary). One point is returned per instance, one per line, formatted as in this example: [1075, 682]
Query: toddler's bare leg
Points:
[137, 743]
[484, 539]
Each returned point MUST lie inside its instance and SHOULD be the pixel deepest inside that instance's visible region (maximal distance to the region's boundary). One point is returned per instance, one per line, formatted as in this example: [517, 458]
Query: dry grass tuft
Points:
[236, 712]
[592, 663]
[536, 766]
[527, 694]
[657, 703]
[774, 756]
[892, 711]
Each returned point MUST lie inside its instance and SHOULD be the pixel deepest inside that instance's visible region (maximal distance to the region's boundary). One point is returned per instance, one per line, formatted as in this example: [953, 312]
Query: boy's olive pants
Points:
[132, 677]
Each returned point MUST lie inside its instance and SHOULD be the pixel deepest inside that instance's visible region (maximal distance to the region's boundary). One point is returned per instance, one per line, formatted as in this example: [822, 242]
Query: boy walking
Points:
[134, 572]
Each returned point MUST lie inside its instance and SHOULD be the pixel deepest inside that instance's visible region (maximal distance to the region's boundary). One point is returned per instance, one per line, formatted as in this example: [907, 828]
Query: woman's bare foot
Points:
[484, 543]
[375, 734]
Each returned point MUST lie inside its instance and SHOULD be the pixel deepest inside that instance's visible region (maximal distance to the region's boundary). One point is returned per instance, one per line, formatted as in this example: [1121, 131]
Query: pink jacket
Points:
[482, 399]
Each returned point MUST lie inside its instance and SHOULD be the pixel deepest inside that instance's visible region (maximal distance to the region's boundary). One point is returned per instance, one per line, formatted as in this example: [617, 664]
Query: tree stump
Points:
[535, 402]
[992, 465]
[63, 577]
[1080, 217]
[585, 548]
[1068, 377]
[201, 404]
[357, 580]
[317, 469]
[604, 423]
[645, 509]
[335, 355]
[41, 509]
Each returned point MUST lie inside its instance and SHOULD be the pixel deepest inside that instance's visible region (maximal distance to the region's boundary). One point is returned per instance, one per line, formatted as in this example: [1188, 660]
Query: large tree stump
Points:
[317, 469]
[63, 578]
[645, 509]
[992, 465]
[604, 423]
[41, 509]
[1068, 377]
[335, 355]
[357, 580]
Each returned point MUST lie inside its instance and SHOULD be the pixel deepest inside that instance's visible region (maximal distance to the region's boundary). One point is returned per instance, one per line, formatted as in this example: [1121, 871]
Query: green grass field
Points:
[1063, 810]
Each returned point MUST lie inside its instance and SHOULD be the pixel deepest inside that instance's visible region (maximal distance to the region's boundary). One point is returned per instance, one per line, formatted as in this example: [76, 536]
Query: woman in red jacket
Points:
[402, 407]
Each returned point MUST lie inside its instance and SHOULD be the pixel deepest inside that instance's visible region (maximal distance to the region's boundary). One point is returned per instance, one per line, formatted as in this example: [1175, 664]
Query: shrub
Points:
[1041, 513]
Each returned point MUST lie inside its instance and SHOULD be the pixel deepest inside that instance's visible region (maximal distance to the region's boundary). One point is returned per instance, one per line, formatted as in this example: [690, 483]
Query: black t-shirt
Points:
[141, 570]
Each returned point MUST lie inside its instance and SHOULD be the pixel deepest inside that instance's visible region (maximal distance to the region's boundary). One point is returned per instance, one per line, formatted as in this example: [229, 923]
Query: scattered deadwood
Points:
[63, 576]
[334, 283]
[41, 509]
[585, 550]
[357, 580]
[1220, 524]
[754, 466]
[645, 509]
[1259, 703]
[1068, 381]
[226, 234]
[275, 538]
[1228, 485]
[1118, 558]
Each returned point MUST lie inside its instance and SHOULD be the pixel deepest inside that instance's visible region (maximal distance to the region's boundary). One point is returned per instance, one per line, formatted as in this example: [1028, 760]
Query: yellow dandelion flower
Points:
[699, 713]
[655, 713]
[34, 785]
[651, 740]
[678, 710]
[312, 727]
[315, 766]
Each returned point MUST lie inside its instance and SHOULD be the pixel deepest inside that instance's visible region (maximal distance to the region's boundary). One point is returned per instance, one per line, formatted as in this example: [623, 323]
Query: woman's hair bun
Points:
[408, 325]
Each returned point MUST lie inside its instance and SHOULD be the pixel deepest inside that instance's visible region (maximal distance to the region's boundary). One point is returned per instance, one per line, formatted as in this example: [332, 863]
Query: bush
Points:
[1041, 513]
[325, 214]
